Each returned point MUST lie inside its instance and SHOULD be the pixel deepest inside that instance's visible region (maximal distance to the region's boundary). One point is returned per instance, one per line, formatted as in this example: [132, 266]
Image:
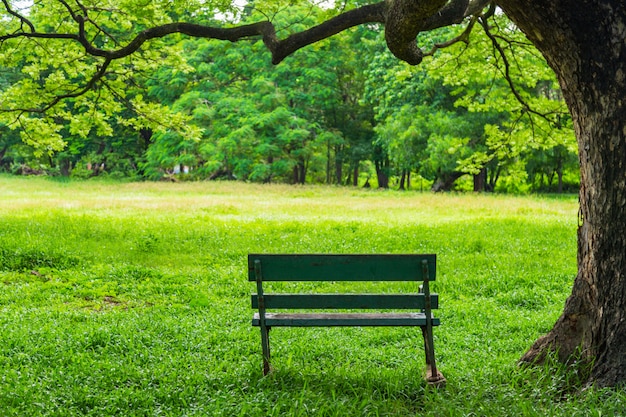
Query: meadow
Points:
[131, 299]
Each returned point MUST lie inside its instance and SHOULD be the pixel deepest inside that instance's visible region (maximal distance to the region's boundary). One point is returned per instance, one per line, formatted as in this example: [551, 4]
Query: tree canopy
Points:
[221, 109]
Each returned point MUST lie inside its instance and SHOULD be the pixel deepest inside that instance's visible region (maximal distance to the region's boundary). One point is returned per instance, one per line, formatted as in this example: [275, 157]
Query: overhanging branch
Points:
[507, 74]
[403, 20]
[23, 20]
[407, 18]
[102, 70]
[463, 37]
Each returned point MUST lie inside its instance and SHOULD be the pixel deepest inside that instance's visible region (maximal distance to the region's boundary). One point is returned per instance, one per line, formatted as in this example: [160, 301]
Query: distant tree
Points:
[262, 123]
[548, 167]
[459, 113]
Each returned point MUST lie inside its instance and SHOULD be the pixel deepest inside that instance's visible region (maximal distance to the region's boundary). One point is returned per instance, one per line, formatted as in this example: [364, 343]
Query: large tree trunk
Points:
[584, 42]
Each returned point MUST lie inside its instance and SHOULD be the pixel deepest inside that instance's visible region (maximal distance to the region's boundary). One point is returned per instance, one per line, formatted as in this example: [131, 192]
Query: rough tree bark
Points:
[585, 44]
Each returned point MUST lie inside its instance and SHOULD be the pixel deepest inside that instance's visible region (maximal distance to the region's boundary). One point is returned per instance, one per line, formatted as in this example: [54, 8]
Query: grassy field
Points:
[132, 300]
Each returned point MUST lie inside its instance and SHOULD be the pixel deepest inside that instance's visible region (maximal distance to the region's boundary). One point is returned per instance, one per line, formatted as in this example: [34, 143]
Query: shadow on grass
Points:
[347, 389]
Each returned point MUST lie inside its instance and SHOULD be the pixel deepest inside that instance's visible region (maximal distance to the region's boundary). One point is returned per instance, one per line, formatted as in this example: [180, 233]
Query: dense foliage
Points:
[343, 111]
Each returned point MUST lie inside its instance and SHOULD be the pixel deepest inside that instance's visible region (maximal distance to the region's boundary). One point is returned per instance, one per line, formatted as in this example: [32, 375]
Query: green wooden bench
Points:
[278, 267]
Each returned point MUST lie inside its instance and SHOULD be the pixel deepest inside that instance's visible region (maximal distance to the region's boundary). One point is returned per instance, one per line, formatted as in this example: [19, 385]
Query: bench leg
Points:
[433, 376]
[265, 344]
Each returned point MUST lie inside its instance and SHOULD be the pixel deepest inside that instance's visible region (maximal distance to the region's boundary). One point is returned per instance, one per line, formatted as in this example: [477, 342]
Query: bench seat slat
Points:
[346, 301]
[343, 319]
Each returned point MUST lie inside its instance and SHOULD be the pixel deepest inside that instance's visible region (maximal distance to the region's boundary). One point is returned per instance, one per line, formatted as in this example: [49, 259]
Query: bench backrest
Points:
[308, 267]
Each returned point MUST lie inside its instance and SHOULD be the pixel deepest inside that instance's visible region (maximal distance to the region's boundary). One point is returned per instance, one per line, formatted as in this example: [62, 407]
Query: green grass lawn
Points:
[133, 300]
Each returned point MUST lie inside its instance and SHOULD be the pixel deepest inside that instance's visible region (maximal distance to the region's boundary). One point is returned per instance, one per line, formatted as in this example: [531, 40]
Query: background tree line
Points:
[344, 111]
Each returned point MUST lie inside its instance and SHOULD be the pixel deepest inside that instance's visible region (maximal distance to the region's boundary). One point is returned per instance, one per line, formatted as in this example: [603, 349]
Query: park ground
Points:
[132, 299]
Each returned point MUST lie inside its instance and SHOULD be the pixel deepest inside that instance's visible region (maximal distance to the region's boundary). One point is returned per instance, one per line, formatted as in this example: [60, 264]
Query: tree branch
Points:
[507, 72]
[463, 37]
[374, 13]
[403, 20]
[102, 70]
[23, 20]
[69, 9]
[454, 13]
[407, 18]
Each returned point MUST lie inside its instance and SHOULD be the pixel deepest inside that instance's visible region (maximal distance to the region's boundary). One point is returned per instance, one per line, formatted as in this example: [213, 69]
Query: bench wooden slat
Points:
[324, 267]
[346, 301]
[343, 319]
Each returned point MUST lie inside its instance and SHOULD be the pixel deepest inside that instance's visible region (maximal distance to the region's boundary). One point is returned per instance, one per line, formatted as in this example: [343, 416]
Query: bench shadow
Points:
[406, 388]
